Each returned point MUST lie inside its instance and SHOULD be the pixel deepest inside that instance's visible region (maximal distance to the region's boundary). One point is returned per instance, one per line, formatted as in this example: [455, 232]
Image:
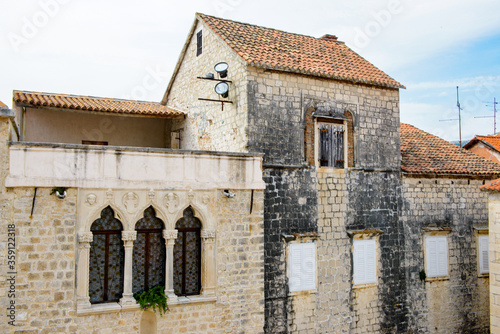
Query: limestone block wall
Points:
[209, 126]
[459, 303]
[494, 226]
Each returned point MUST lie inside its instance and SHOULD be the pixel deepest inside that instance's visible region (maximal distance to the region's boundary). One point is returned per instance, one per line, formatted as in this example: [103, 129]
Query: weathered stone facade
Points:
[494, 229]
[49, 270]
[458, 303]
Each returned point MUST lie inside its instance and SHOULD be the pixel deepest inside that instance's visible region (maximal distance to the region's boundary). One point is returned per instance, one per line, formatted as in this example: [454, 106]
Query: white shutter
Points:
[302, 266]
[365, 261]
[484, 266]
[436, 249]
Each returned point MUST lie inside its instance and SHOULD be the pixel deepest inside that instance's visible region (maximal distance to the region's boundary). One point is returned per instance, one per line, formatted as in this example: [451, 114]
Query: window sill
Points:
[487, 275]
[436, 279]
[302, 292]
[116, 307]
[364, 286]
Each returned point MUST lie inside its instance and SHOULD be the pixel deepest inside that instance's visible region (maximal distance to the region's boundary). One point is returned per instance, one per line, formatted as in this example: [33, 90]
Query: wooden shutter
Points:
[199, 43]
[436, 248]
[365, 261]
[331, 145]
[484, 266]
[302, 263]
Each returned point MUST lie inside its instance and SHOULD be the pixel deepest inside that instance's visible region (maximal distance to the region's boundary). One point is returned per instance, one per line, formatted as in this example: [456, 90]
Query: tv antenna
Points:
[494, 114]
[459, 119]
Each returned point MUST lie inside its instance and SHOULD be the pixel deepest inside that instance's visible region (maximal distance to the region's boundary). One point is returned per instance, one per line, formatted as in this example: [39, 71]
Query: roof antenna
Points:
[459, 119]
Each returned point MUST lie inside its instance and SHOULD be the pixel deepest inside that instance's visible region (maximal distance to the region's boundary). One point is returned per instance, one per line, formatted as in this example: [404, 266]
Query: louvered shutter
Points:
[302, 262]
[365, 261]
[484, 266]
[436, 248]
[331, 145]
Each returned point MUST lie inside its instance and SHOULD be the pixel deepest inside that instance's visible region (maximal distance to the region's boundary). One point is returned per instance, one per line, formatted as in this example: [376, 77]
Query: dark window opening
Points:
[199, 43]
[106, 259]
[148, 266]
[187, 255]
[331, 145]
[92, 142]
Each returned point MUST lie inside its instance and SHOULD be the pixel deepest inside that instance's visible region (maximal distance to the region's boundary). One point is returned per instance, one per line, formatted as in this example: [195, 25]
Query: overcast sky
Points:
[128, 49]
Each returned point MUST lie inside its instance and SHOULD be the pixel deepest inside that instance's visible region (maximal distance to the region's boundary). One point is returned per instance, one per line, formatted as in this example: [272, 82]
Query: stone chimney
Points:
[330, 38]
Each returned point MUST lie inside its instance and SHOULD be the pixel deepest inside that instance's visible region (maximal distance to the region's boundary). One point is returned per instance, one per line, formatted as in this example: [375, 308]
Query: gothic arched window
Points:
[106, 259]
[187, 255]
[148, 266]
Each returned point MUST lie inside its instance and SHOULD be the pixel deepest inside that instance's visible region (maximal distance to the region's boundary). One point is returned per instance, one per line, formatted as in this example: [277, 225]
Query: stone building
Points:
[328, 216]
[485, 146]
[445, 219]
[96, 208]
[344, 222]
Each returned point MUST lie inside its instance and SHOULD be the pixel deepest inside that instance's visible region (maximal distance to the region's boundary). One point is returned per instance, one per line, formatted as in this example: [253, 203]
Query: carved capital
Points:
[208, 234]
[170, 234]
[129, 235]
[85, 237]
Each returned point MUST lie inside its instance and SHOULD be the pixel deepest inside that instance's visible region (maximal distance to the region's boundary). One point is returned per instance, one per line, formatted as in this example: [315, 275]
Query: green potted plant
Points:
[154, 299]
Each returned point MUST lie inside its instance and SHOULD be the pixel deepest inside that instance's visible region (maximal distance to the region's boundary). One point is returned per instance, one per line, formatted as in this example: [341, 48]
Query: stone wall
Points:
[460, 302]
[43, 282]
[494, 227]
[209, 125]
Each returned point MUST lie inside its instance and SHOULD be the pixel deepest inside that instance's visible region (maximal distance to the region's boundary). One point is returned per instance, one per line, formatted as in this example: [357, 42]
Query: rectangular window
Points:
[302, 266]
[331, 145]
[365, 261]
[436, 249]
[483, 245]
[199, 43]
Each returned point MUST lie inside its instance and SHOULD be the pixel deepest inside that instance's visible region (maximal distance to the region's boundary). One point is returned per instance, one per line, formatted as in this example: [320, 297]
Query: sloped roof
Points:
[492, 185]
[490, 141]
[426, 154]
[283, 51]
[94, 104]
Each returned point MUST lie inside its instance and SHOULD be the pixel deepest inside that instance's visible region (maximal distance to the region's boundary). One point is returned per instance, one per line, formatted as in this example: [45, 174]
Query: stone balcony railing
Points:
[81, 166]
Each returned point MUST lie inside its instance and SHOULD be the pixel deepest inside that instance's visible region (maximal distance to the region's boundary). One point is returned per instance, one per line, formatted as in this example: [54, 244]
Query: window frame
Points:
[327, 120]
[483, 238]
[294, 249]
[436, 274]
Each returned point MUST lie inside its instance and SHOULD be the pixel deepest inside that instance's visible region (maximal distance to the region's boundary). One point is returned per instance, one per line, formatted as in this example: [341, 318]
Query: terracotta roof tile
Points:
[492, 185]
[491, 141]
[423, 153]
[278, 50]
[95, 104]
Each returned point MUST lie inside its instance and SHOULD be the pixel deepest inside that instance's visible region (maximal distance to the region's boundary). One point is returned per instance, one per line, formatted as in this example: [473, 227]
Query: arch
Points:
[107, 258]
[97, 214]
[198, 213]
[149, 252]
[160, 214]
[187, 255]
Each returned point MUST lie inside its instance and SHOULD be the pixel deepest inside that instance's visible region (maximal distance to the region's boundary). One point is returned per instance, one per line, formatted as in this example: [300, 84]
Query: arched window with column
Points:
[106, 261]
[187, 255]
[148, 265]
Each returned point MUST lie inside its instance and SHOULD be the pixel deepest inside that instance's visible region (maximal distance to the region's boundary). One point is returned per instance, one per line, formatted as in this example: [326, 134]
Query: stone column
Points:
[169, 236]
[82, 278]
[127, 299]
[208, 269]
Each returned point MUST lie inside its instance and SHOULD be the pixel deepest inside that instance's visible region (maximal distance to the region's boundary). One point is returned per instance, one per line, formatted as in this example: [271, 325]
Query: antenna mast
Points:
[459, 121]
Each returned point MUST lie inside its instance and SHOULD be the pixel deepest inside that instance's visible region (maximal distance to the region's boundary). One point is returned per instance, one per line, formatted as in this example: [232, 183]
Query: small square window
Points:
[436, 256]
[302, 266]
[199, 43]
[331, 145]
[365, 261]
[483, 248]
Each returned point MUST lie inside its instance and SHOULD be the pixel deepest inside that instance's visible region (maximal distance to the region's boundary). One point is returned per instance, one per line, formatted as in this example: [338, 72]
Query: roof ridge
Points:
[82, 96]
[258, 26]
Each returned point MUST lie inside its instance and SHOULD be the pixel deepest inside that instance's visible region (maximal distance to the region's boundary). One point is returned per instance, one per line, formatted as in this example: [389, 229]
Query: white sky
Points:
[128, 49]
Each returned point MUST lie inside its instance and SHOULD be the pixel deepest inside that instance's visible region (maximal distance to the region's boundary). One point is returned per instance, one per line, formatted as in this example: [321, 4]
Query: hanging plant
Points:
[59, 191]
[154, 299]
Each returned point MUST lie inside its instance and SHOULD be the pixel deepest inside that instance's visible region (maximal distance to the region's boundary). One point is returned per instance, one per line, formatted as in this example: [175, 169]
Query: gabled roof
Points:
[278, 50]
[283, 51]
[492, 185]
[94, 104]
[492, 142]
[426, 154]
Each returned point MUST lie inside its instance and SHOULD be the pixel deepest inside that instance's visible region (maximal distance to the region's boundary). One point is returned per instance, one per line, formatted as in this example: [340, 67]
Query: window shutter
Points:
[302, 262]
[199, 43]
[484, 266]
[331, 145]
[365, 261]
[436, 248]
